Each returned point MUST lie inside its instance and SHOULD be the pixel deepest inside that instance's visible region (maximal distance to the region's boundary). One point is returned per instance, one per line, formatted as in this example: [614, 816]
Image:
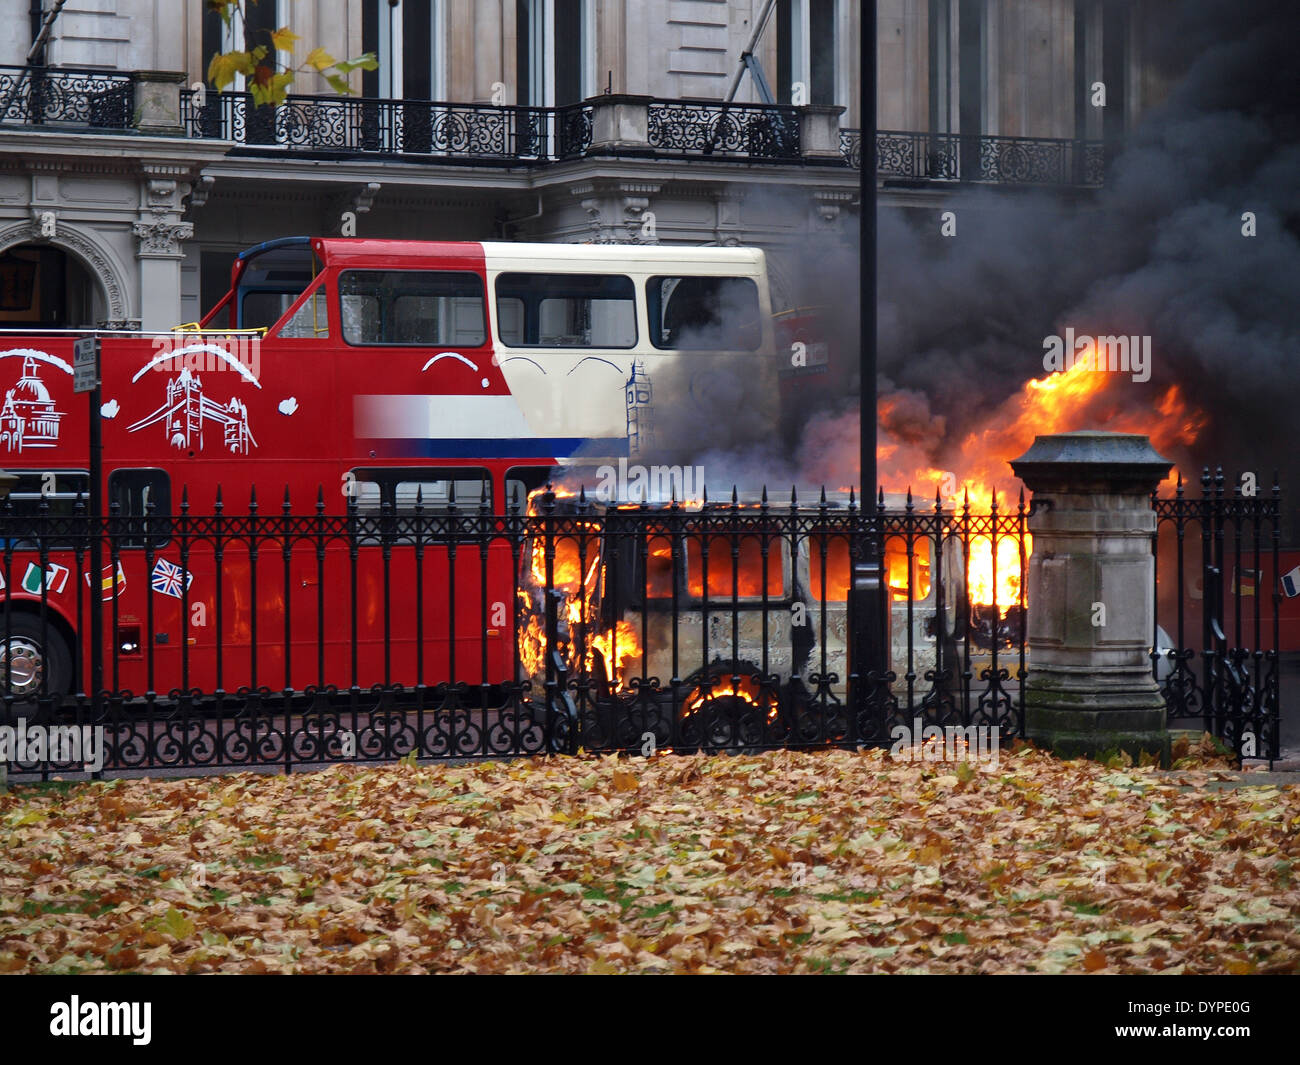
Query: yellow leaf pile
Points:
[782, 862]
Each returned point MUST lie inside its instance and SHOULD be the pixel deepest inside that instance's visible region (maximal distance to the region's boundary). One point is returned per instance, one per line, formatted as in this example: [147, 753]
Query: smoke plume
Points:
[1158, 251]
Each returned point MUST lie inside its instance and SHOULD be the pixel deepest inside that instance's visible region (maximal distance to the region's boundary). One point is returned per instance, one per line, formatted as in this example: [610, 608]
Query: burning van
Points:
[727, 626]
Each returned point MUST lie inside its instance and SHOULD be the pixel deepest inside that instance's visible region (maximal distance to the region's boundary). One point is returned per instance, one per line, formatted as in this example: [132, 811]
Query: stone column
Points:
[159, 232]
[1091, 594]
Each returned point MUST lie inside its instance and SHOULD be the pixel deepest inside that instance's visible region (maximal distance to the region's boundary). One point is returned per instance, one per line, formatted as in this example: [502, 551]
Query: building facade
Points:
[127, 185]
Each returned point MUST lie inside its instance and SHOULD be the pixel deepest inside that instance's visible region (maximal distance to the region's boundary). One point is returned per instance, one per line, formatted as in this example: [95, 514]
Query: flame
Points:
[839, 569]
[729, 689]
[532, 645]
[746, 569]
[1077, 398]
[980, 585]
[572, 552]
[1073, 399]
[623, 639]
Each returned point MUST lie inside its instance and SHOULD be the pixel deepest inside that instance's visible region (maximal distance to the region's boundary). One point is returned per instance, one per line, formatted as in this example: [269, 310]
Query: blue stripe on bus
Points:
[519, 447]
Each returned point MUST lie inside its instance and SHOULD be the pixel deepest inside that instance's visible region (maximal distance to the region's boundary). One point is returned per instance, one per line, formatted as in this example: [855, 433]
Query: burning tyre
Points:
[729, 711]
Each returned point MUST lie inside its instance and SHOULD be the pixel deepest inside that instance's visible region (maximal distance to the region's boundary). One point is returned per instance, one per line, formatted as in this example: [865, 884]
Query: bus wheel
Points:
[34, 653]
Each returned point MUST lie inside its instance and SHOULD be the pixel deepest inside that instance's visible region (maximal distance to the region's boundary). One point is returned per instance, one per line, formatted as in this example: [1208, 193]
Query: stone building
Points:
[126, 186]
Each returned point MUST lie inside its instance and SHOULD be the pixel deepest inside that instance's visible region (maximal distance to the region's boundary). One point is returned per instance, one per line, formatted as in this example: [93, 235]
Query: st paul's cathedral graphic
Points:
[29, 418]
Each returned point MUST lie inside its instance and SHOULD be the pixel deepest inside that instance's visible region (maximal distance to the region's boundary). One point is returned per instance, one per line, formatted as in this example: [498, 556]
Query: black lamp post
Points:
[868, 597]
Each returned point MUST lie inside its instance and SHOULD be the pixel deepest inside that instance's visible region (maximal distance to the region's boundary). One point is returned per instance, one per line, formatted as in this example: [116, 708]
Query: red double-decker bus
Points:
[372, 379]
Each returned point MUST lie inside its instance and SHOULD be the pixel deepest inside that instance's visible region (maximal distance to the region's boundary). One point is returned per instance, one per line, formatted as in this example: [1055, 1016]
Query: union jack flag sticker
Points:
[167, 578]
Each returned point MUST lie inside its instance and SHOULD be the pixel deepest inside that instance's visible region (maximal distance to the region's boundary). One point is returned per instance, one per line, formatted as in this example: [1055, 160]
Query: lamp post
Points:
[868, 601]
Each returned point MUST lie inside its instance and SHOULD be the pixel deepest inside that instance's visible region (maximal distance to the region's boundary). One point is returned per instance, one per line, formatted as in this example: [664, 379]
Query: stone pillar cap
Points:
[1092, 458]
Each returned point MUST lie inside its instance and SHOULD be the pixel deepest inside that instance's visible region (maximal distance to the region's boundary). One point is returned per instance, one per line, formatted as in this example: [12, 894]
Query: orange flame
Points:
[1073, 399]
[575, 568]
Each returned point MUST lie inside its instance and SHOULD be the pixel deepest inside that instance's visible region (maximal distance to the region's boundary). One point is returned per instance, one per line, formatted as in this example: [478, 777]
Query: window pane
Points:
[415, 307]
[510, 320]
[704, 313]
[261, 310]
[400, 487]
[312, 319]
[142, 498]
[746, 570]
[566, 310]
[839, 568]
[659, 569]
[521, 481]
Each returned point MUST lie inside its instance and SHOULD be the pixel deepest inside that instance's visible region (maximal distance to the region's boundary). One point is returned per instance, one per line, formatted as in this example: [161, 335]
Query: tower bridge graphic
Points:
[187, 408]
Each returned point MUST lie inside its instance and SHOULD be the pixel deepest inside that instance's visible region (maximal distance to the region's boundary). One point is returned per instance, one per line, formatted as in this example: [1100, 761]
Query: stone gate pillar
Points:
[1091, 594]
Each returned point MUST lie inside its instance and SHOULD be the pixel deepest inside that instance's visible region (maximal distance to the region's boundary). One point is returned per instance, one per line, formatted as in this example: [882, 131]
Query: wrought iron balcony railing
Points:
[913, 156]
[711, 128]
[482, 134]
[66, 98]
[453, 132]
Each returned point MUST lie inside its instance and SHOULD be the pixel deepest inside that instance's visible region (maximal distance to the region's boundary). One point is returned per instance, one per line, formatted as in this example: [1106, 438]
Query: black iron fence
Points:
[407, 626]
[1216, 648]
[66, 98]
[276, 638]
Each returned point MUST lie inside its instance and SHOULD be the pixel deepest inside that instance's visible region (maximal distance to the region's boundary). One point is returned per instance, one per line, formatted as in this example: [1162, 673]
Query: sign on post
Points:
[85, 364]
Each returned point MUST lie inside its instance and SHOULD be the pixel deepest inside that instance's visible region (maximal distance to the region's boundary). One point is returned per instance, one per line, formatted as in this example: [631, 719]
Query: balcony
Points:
[904, 158]
[344, 126]
[609, 126]
[67, 99]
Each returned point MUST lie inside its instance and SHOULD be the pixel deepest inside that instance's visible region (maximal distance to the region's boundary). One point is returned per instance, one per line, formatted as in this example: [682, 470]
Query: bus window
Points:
[659, 569]
[402, 487]
[521, 481]
[131, 492]
[704, 313]
[833, 584]
[58, 490]
[839, 568]
[745, 571]
[412, 307]
[566, 310]
[271, 282]
[312, 318]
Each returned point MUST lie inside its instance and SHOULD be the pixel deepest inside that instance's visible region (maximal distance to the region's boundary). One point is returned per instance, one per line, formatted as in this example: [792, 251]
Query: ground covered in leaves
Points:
[782, 862]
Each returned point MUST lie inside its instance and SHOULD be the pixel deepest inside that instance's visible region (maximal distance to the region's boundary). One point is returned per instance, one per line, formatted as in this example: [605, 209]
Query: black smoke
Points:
[1158, 250]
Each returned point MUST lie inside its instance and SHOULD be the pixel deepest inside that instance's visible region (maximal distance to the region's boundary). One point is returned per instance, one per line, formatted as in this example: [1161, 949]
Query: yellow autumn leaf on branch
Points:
[284, 39]
[319, 59]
